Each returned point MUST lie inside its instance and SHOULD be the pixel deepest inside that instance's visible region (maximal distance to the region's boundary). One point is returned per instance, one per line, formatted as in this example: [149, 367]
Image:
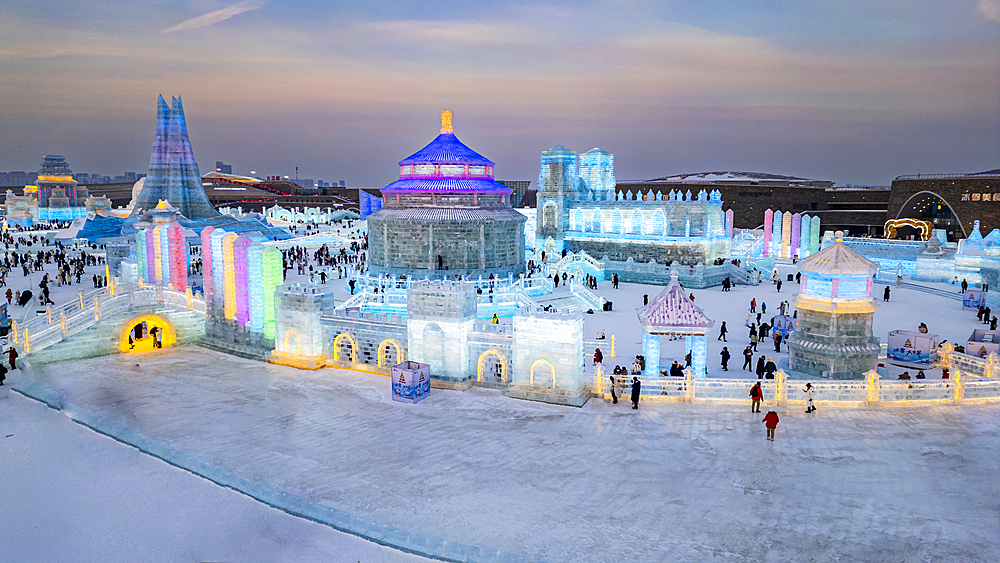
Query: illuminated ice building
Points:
[580, 210]
[55, 196]
[835, 307]
[446, 217]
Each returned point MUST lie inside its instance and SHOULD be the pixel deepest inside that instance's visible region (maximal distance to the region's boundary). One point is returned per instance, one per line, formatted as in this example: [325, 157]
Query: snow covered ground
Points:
[70, 494]
[601, 483]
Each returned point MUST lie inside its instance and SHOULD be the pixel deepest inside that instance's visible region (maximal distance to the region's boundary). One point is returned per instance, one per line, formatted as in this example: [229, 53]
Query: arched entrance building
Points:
[950, 201]
[146, 332]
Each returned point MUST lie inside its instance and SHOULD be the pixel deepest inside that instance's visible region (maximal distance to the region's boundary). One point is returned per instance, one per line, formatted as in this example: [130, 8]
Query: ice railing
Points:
[871, 391]
[581, 292]
[58, 323]
[576, 261]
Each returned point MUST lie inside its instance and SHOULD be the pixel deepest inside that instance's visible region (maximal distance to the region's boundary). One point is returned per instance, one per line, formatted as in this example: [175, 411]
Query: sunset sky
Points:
[850, 91]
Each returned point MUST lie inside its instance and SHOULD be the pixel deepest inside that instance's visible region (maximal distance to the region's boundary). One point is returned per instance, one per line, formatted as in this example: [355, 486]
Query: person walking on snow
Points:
[777, 341]
[885, 294]
[770, 422]
[12, 358]
[598, 356]
[753, 305]
[809, 398]
[722, 332]
[747, 358]
[965, 286]
[614, 396]
[769, 369]
[755, 396]
[725, 358]
[778, 285]
[636, 387]
[760, 368]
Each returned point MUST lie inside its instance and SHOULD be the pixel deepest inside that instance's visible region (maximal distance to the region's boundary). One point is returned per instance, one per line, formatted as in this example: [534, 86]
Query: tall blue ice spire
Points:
[173, 172]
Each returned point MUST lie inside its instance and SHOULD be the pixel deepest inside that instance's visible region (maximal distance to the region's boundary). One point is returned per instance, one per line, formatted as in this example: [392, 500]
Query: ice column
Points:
[255, 287]
[786, 234]
[206, 263]
[242, 282]
[804, 237]
[273, 273]
[768, 222]
[776, 235]
[793, 249]
[229, 275]
[178, 256]
[218, 269]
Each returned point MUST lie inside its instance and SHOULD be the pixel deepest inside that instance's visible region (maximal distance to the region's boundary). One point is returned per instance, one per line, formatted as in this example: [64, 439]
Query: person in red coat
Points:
[771, 422]
[12, 358]
[755, 395]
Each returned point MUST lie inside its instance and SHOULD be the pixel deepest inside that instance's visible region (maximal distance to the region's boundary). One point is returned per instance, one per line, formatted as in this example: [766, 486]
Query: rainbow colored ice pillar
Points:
[206, 263]
[255, 287]
[157, 255]
[273, 274]
[240, 269]
[814, 235]
[804, 238]
[768, 222]
[776, 235]
[140, 253]
[229, 275]
[729, 223]
[178, 256]
[793, 251]
[218, 273]
[786, 234]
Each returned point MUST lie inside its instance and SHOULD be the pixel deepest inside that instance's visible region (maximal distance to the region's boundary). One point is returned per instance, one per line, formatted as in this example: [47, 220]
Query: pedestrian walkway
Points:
[601, 483]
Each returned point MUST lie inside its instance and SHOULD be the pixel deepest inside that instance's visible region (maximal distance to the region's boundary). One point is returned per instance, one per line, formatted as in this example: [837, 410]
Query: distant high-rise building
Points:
[223, 167]
[18, 178]
[342, 184]
[519, 187]
[130, 177]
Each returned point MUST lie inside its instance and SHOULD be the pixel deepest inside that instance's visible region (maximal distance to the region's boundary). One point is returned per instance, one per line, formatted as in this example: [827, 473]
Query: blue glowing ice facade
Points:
[446, 216]
[173, 173]
[835, 307]
[597, 169]
[674, 227]
[439, 317]
[218, 277]
[255, 275]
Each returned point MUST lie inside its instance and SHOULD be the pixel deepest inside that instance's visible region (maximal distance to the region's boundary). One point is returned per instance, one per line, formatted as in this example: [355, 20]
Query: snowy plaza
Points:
[546, 482]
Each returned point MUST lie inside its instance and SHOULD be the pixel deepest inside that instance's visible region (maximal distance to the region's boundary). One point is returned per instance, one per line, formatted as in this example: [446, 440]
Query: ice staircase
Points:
[740, 276]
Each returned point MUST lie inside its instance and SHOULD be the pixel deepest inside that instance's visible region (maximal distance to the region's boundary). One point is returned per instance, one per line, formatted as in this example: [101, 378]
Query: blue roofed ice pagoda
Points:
[672, 313]
[446, 216]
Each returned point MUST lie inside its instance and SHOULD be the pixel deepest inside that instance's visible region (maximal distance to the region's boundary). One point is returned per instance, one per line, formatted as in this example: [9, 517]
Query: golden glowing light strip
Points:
[545, 362]
[482, 363]
[157, 253]
[336, 347]
[399, 352]
[229, 275]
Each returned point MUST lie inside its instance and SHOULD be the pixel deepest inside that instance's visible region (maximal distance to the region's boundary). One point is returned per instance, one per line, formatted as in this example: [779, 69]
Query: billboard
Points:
[912, 349]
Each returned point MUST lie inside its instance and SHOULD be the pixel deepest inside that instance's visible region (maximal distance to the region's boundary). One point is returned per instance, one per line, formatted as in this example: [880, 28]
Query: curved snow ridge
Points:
[366, 528]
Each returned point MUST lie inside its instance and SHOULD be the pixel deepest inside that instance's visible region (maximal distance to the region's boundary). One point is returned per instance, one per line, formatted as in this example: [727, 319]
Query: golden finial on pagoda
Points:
[446, 115]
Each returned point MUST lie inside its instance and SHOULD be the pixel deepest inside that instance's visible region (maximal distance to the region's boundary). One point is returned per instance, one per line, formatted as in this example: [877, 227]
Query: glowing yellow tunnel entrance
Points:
[145, 333]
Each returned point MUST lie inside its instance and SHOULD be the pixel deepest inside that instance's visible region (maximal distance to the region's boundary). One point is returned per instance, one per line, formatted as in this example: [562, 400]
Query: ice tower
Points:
[173, 173]
[446, 216]
[835, 307]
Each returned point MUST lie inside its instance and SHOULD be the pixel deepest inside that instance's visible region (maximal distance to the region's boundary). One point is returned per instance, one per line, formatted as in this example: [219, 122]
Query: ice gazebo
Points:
[672, 313]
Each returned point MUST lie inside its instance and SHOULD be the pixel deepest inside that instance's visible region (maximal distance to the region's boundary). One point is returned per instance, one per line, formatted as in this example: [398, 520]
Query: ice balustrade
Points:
[872, 391]
[68, 319]
[580, 291]
[500, 297]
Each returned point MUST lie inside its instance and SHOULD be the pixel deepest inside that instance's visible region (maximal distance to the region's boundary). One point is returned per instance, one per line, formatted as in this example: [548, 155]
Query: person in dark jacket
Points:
[885, 294]
[770, 422]
[722, 332]
[760, 367]
[756, 393]
[777, 341]
[3, 373]
[614, 396]
[747, 358]
[769, 369]
[12, 358]
[725, 358]
[636, 387]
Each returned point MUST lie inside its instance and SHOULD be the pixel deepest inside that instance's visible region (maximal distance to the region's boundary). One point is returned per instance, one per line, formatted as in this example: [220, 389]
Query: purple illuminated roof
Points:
[446, 149]
[446, 185]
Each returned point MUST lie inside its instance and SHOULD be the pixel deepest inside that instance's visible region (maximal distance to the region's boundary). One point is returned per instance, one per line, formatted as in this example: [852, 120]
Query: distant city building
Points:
[519, 187]
[223, 167]
[55, 195]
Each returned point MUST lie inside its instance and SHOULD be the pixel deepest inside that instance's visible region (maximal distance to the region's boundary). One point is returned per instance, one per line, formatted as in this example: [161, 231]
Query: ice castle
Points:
[581, 211]
[446, 216]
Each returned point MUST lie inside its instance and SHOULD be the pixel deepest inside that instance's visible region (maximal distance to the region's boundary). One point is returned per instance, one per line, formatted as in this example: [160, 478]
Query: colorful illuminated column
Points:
[150, 257]
[255, 287]
[768, 222]
[140, 253]
[178, 256]
[793, 249]
[786, 234]
[804, 238]
[776, 235]
[240, 246]
[229, 275]
[218, 270]
[729, 223]
[814, 226]
[206, 263]
[272, 275]
[158, 254]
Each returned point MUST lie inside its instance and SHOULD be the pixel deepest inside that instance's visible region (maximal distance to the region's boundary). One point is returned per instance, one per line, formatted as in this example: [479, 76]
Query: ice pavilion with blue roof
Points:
[446, 216]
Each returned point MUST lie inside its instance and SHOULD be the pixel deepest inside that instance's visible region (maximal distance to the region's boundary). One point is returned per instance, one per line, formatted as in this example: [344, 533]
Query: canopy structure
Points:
[672, 313]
